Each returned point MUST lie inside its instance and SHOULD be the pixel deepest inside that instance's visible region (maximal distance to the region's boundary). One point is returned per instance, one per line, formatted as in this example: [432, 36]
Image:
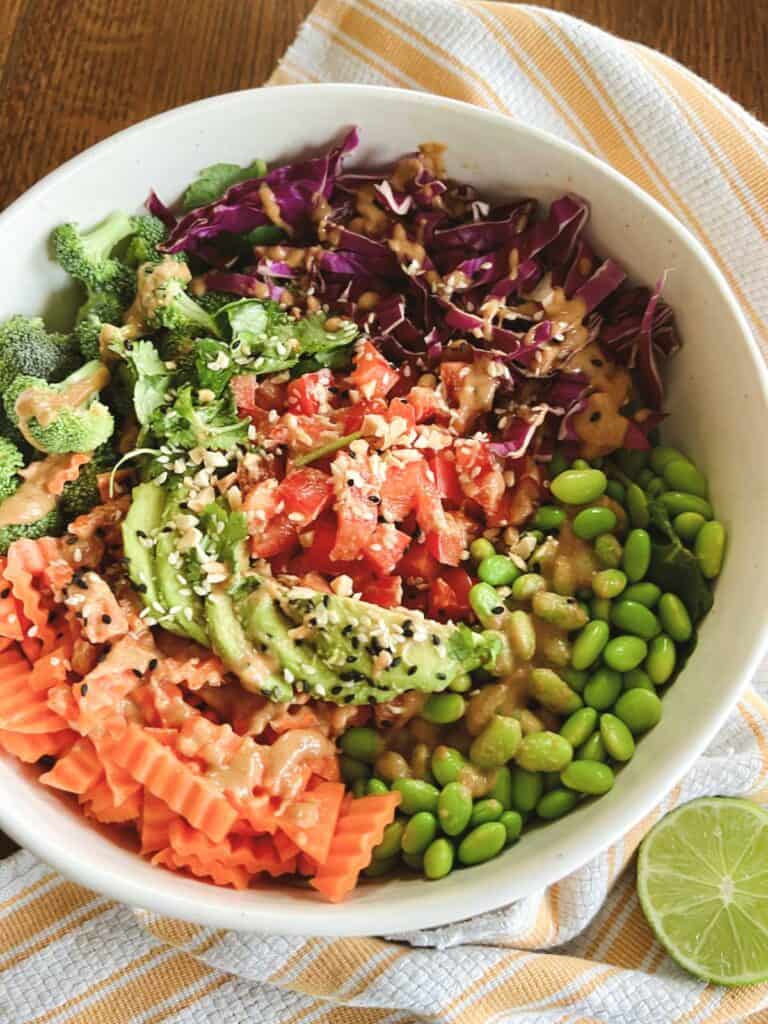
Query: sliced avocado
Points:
[189, 617]
[143, 519]
[258, 672]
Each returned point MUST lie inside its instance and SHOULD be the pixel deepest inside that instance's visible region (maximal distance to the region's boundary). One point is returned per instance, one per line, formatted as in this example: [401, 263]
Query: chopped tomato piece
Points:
[356, 505]
[427, 403]
[521, 501]
[418, 563]
[244, 390]
[398, 409]
[353, 416]
[448, 544]
[316, 557]
[373, 376]
[480, 474]
[470, 388]
[443, 465]
[305, 493]
[309, 394]
[449, 595]
[260, 503]
[386, 547]
[302, 433]
[387, 593]
[398, 492]
[276, 538]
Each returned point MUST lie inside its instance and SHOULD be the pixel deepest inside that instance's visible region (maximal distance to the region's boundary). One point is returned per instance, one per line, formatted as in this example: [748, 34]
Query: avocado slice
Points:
[258, 672]
[189, 619]
[142, 522]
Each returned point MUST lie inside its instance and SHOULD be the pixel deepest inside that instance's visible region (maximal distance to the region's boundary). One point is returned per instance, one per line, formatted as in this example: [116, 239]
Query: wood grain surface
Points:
[74, 71]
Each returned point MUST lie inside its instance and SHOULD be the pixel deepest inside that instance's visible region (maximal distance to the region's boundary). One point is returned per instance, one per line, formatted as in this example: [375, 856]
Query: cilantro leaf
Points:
[148, 377]
[212, 182]
[213, 425]
[674, 568]
[225, 531]
[214, 365]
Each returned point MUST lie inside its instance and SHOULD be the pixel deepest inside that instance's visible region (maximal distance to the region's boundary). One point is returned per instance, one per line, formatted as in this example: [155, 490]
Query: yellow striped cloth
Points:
[68, 956]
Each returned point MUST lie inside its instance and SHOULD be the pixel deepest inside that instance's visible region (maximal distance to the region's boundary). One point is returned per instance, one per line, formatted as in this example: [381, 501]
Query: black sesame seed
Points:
[106, 619]
[596, 362]
[351, 659]
[396, 661]
[374, 499]
[5, 593]
[435, 639]
[46, 761]
[84, 690]
[412, 670]
[595, 417]
[441, 675]
[346, 630]
[497, 610]
[136, 673]
[326, 601]
[152, 664]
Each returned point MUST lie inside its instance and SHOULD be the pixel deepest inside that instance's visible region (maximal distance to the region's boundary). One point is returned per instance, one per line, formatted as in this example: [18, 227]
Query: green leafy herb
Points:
[214, 365]
[189, 424]
[225, 532]
[213, 182]
[149, 377]
[674, 568]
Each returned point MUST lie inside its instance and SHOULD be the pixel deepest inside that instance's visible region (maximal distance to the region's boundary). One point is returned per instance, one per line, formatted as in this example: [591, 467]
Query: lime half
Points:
[702, 879]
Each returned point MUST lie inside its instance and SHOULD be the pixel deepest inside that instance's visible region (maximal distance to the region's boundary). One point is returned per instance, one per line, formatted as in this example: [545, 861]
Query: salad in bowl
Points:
[338, 537]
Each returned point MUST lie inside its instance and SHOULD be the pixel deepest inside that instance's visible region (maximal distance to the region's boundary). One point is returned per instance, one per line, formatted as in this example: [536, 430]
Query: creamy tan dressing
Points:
[33, 500]
[44, 405]
[401, 245]
[271, 207]
[600, 424]
[287, 755]
[370, 219]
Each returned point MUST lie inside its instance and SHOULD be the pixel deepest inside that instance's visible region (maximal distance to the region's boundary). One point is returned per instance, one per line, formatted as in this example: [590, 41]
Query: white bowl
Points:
[717, 394]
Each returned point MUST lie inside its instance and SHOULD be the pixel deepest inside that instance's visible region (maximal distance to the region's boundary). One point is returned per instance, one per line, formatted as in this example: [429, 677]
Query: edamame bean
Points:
[527, 788]
[376, 787]
[454, 808]
[390, 766]
[644, 593]
[580, 464]
[579, 726]
[527, 585]
[617, 738]
[615, 490]
[529, 722]
[593, 749]
[557, 803]
[633, 617]
[460, 684]
[609, 583]
[358, 788]
[513, 825]
[413, 861]
[603, 688]
[443, 708]
[591, 777]
[631, 461]
[482, 843]
[553, 693]
[485, 810]
[645, 476]
[497, 743]
[625, 652]
[560, 611]
[676, 502]
[579, 486]
[486, 604]
[640, 710]
[682, 475]
[446, 764]
[521, 634]
[544, 752]
[660, 663]
[390, 841]
[589, 644]
[502, 787]
[655, 487]
[378, 868]
[548, 517]
[687, 526]
[608, 551]
[352, 769]
[498, 571]
[416, 795]
[637, 554]
[576, 678]
[710, 548]
[637, 679]
[675, 618]
[438, 859]
[662, 455]
[551, 781]
[591, 522]
[362, 743]
[481, 548]
[419, 832]
[637, 506]
[600, 608]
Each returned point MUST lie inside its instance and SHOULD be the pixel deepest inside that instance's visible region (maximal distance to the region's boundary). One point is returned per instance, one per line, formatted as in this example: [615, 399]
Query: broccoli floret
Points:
[11, 461]
[165, 303]
[64, 417]
[213, 301]
[26, 347]
[82, 494]
[149, 232]
[179, 348]
[49, 526]
[100, 308]
[87, 256]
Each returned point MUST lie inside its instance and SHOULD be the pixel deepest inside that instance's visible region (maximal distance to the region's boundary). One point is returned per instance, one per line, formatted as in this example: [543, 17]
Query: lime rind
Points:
[702, 881]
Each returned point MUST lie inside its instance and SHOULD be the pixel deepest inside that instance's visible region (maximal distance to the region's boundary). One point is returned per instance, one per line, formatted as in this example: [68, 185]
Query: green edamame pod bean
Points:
[551, 781]
[362, 743]
[580, 464]
[461, 684]
[446, 764]
[645, 476]
[438, 859]
[675, 618]
[413, 861]
[710, 548]
[378, 868]
[593, 749]
[608, 550]
[625, 652]
[633, 617]
[553, 693]
[579, 726]
[637, 506]
[486, 604]
[637, 679]
[631, 461]
[660, 663]
[352, 769]
[419, 832]
[443, 708]
[525, 586]
[593, 521]
[497, 743]
[521, 634]
[615, 490]
[644, 593]
[481, 548]
[560, 611]
[579, 486]
[416, 795]
[544, 752]
[548, 517]
[513, 825]
[591, 777]
[358, 788]
[682, 475]
[676, 502]
[376, 787]
[609, 583]
[454, 808]
[556, 804]
[557, 465]
[502, 787]
[576, 678]
[687, 526]
[485, 810]
[617, 738]
[589, 644]
[655, 487]
[603, 688]
[637, 554]
[527, 788]
[600, 608]
[639, 710]
[482, 843]
[498, 570]
[662, 455]
[390, 841]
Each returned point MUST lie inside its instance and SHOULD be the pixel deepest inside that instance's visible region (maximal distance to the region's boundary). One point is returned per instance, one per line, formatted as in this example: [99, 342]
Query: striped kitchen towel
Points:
[68, 956]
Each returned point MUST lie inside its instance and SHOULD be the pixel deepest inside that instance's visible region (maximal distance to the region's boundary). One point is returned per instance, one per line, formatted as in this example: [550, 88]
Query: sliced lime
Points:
[702, 879]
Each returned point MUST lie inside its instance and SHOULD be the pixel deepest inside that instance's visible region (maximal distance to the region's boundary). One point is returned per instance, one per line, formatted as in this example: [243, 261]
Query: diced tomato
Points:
[398, 492]
[260, 503]
[480, 474]
[244, 390]
[443, 465]
[353, 416]
[418, 563]
[398, 409]
[521, 501]
[302, 433]
[305, 493]
[317, 556]
[387, 593]
[373, 376]
[470, 388]
[309, 394]
[448, 544]
[276, 538]
[449, 595]
[427, 403]
[354, 485]
[386, 548]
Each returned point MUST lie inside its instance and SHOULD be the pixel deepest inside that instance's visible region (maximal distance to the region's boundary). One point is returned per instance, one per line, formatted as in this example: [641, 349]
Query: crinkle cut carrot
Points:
[30, 747]
[316, 839]
[78, 771]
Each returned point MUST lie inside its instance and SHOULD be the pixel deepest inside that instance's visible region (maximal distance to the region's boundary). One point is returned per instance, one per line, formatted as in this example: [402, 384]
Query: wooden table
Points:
[72, 73]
